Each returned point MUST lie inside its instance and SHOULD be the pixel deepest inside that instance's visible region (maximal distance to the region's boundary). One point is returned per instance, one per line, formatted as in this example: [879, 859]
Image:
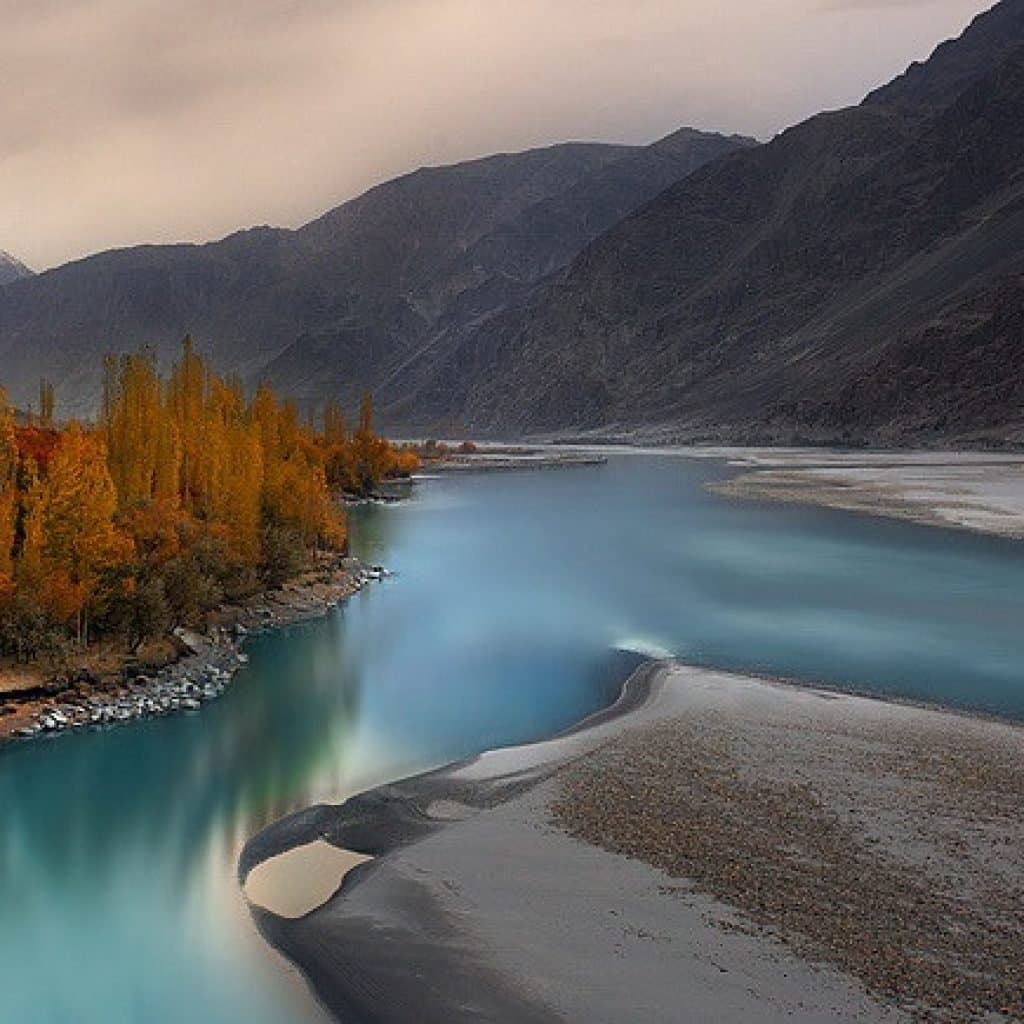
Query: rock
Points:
[192, 641]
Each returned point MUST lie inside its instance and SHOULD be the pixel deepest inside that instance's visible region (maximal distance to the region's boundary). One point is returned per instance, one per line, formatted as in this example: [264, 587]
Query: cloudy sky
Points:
[125, 121]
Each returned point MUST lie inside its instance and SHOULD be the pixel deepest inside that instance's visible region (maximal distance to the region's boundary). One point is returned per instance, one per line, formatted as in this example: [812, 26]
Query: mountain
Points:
[387, 281]
[11, 269]
[859, 279]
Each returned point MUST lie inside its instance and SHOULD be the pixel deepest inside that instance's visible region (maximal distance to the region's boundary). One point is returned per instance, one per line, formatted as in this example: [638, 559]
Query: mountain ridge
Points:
[765, 297]
[367, 282]
[855, 280]
[11, 269]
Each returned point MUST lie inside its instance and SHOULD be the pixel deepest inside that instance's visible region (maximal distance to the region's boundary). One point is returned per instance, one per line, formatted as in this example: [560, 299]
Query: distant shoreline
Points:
[204, 665]
[507, 458]
[974, 490]
[476, 880]
[977, 492]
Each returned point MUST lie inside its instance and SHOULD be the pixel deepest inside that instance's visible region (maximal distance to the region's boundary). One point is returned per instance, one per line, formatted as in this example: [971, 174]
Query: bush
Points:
[27, 633]
[284, 554]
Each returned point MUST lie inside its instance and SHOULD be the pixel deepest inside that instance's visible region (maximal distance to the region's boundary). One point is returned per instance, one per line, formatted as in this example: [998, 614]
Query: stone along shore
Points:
[206, 665]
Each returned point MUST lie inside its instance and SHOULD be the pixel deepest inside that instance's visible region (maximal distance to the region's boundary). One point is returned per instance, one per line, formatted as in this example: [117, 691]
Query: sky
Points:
[128, 121]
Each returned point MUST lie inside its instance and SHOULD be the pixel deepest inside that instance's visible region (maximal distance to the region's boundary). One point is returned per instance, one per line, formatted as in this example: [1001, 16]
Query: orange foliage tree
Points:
[80, 540]
[8, 498]
[182, 493]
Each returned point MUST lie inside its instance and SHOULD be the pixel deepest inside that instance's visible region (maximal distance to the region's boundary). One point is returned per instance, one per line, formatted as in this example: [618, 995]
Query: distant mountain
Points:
[859, 279]
[11, 269]
[370, 296]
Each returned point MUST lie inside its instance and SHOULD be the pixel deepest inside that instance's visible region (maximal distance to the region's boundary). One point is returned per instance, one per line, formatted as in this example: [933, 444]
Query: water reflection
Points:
[117, 851]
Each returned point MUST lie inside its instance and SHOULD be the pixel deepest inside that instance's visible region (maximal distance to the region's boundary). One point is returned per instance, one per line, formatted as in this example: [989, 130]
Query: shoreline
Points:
[981, 493]
[505, 459]
[204, 666]
[35, 703]
[971, 489]
[461, 854]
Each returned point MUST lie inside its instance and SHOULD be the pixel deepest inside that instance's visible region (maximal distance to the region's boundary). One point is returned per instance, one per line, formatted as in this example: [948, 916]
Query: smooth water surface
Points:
[519, 604]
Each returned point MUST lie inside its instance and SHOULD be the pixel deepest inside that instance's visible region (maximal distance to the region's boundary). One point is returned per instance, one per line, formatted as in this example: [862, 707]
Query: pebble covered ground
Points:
[887, 841]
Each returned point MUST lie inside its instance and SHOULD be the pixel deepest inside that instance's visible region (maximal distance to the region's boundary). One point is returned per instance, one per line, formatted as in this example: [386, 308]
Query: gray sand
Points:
[605, 875]
[977, 491]
[887, 841]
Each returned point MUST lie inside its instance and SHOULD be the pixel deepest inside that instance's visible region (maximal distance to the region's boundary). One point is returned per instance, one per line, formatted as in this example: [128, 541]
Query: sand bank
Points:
[979, 491]
[714, 847]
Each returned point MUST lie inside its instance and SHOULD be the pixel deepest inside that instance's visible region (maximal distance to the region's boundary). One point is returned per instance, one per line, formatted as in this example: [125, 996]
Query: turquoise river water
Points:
[519, 604]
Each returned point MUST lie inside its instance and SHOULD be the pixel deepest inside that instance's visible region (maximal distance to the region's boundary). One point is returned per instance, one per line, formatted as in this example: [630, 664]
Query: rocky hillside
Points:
[369, 296]
[858, 279]
[11, 269]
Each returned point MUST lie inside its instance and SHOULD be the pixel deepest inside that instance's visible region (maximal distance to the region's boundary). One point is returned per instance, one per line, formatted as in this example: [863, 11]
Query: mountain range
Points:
[342, 304]
[858, 279]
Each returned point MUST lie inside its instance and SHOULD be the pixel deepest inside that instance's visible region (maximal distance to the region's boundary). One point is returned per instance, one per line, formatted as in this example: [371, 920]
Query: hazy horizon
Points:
[128, 122]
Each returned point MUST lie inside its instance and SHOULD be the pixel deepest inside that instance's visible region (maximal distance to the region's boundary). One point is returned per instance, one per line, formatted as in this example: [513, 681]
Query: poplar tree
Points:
[8, 496]
[80, 539]
[182, 492]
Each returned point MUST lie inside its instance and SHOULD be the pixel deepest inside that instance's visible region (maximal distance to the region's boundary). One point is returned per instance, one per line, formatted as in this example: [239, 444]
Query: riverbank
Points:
[196, 668]
[713, 847]
[978, 491]
[504, 458]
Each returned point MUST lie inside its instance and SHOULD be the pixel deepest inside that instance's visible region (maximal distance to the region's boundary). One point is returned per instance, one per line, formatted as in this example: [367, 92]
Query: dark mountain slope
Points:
[63, 321]
[926, 87]
[339, 305]
[476, 270]
[773, 294]
[11, 269]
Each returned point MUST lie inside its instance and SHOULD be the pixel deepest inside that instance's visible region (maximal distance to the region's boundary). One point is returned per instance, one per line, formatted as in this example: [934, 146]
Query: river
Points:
[519, 603]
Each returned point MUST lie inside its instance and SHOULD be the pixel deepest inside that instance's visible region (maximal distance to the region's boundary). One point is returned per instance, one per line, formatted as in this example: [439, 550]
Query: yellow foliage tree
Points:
[8, 496]
[135, 428]
[184, 491]
[80, 541]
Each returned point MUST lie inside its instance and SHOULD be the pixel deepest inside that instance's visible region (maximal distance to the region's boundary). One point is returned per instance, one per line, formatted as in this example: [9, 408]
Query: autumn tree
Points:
[47, 403]
[138, 434]
[335, 425]
[184, 493]
[79, 539]
[8, 497]
[186, 399]
[370, 453]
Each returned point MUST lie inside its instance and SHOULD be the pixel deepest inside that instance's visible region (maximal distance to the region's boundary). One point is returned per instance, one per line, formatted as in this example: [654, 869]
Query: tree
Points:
[47, 403]
[8, 494]
[134, 425]
[186, 400]
[148, 612]
[335, 425]
[184, 493]
[370, 453]
[366, 414]
[80, 540]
